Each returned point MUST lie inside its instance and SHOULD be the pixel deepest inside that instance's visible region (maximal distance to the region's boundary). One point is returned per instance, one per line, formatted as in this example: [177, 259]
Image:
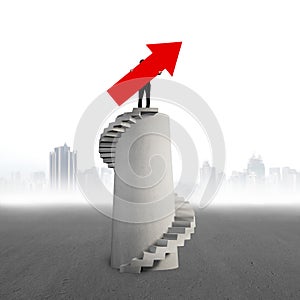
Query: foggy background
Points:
[241, 57]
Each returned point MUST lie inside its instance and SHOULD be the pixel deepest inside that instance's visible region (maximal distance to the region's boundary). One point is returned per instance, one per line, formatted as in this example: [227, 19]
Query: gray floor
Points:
[63, 253]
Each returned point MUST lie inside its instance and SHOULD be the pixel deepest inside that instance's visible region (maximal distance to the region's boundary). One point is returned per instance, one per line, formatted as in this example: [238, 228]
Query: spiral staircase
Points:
[110, 136]
[183, 224]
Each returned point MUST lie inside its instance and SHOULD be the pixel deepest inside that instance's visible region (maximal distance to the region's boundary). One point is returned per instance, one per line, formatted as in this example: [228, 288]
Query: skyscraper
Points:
[63, 168]
[238, 179]
[289, 178]
[256, 169]
[207, 174]
[38, 181]
[274, 176]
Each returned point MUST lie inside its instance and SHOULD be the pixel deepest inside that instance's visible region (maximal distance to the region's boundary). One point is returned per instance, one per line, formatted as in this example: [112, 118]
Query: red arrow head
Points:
[167, 54]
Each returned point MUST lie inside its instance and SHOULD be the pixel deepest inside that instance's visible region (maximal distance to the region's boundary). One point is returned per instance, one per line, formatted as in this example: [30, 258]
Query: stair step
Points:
[119, 124]
[136, 262]
[181, 224]
[170, 236]
[180, 230]
[147, 255]
[137, 116]
[126, 118]
[107, 154]
[109, 160]
[107, 145]
[107, 150]
[124, 115]
[114, 129]
[157, 249]
[186, 219]
[185, 233]
[108, 139]
[161, 243]
[183, 207]
[111, 165]
[184, 213]
[145, 110]
[112, 134]
[169, 245]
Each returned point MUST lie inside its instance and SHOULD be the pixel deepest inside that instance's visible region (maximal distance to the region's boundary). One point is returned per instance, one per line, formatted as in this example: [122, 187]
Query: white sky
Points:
[242, 57]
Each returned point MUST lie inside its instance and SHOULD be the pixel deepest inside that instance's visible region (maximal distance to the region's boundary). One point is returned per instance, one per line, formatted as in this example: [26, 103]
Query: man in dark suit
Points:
[145, 89]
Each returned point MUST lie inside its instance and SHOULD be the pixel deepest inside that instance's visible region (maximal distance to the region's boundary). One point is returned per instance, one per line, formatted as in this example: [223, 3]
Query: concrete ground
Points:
[63, 253]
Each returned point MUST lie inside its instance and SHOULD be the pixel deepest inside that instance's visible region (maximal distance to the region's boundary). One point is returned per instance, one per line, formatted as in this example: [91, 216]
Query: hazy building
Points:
[3, 184]
[256, 170]
[107, 176]
[89, 178]
[252, 179]
[238, 179]
[274, 176]
[63, 168]
[289, 178]
[298, 181]
[15, 178]
[16, 181]
[207, 174]
[38, 181]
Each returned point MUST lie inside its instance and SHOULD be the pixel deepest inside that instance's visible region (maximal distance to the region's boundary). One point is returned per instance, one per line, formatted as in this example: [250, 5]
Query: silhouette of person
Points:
[145, 89]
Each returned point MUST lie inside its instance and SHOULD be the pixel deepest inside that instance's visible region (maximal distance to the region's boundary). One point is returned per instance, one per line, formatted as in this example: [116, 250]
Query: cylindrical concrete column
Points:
[143, 207]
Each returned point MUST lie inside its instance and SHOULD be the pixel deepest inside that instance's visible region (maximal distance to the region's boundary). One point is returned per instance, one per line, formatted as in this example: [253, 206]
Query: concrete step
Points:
[175, 237]
[108, 139]
[145, 110]
[112, 134]
[181, 224]
[107, 150]
[181, 230]
[157, 249]
[170, 236]
[107, 154]
[114, 129]
[126, 118]
[119, 123]
[147, 255]
[161, 243]
[189, 219]
[109, 160]
[136, 115]
[184, 213]
[107, 145]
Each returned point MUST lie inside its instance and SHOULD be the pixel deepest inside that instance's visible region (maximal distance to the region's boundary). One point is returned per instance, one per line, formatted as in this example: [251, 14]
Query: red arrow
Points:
[164, 56]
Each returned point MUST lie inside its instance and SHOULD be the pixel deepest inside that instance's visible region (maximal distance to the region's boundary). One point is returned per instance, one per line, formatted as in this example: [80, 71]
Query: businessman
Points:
[145, 89]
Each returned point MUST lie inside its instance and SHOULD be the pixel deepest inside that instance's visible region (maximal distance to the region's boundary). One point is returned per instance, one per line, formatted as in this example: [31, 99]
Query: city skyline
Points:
[255, 176]
[63, 170]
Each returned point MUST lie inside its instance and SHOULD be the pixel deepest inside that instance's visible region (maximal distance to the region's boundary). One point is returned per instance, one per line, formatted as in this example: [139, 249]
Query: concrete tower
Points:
[149, 220]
